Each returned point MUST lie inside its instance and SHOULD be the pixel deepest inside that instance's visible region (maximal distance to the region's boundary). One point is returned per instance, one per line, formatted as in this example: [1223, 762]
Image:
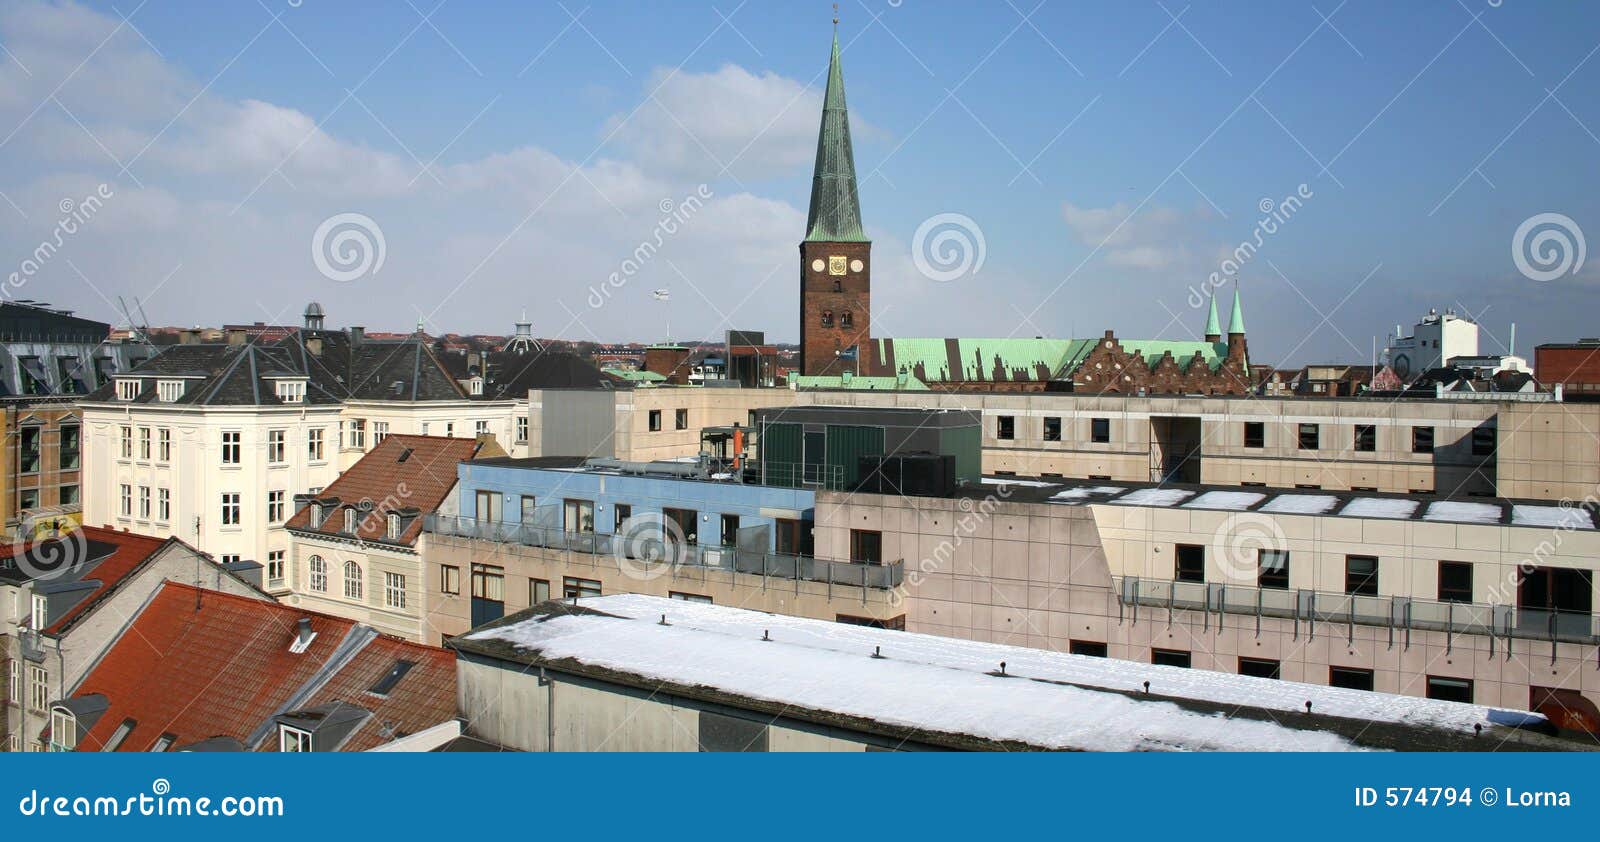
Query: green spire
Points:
[1236, 321]
[835, 211]
[1213, 327]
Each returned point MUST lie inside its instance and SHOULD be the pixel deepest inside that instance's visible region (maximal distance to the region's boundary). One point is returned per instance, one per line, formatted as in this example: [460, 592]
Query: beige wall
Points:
[1550, 451]
[371, 607]
[1040, 574]
[634, 439]
[450, 614]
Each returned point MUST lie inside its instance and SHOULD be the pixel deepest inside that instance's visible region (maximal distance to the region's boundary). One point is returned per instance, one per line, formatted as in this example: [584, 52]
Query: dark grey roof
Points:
[214, 744]
[24, 323]
[509, 374]
[336, 369]
[329, 725]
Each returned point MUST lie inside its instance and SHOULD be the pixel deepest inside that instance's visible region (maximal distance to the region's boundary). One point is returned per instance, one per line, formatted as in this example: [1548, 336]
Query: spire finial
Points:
[836, 15]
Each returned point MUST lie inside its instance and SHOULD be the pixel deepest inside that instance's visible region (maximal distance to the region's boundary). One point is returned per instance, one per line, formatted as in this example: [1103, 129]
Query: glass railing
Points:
[681, 555]
[1389, 611]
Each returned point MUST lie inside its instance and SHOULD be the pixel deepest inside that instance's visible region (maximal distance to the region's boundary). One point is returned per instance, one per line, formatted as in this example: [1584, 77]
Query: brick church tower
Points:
[836, 256]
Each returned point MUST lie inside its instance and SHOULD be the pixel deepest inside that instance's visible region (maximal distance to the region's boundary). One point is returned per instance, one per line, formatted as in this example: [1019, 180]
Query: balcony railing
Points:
[681, 555]
[1394, 612]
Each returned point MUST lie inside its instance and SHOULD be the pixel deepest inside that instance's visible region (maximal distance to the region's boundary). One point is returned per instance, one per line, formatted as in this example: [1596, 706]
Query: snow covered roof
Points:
[1359, 504]
[950, 692]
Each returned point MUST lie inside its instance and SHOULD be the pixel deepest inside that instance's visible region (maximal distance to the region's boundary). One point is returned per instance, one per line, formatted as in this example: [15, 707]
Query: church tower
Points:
[836, 256]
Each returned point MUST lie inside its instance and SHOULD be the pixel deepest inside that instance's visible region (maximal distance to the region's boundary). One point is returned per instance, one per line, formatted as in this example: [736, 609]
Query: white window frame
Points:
[293, 739]
[144, 502]
[169, 391]
[128, 388]
[380, 431]
[353, 583]
[125, 441]
[350, 522]
[317, 574]
[481, 428]
[164, 445]
[522, 428]
[275, 568]
[315, 442]
[14, 682]
[277, 446]
[232, 447]
[394, 590]
[144, 443]
[232, 511]
[276, 507]
[163, 505]
[39, 683]
[291, 391]
[125, 500]
[392, 527]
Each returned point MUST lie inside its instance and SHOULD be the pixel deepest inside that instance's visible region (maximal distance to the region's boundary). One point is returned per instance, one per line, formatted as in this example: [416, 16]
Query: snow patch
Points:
[1457, 512]
[1155, 497]
[1554, 517]
[1232, 501]
[1074, 495]
[1379, 507]
[1301, 504]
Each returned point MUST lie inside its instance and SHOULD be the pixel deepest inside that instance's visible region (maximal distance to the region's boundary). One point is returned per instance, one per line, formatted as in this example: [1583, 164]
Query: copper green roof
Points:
[1213, 326]
[639, 376]
[1021, 359]
[835, 215]
[1236, 322]
[834, 381]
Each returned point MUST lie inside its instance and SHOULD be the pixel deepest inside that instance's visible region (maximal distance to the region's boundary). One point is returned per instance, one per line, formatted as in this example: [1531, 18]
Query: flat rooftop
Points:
[952, 693]
[1481, 511]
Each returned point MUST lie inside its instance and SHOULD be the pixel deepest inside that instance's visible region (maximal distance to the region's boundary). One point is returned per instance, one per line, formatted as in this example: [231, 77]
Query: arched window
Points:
[319, 574]
[845, 319]
[352, 580]
[350, 521]
[827, 318]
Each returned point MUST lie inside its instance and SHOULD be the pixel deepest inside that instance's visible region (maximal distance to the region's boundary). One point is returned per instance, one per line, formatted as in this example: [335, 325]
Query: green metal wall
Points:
[966, 444]
[847, 443]
[781, 456]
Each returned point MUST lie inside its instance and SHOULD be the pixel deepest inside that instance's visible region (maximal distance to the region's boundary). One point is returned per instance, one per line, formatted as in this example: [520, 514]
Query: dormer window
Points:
[292, 391]
[350, 521]
[393, 528]
[128, 388]
[316, 515]
[293, 739]
[475, 386]
[169, 391]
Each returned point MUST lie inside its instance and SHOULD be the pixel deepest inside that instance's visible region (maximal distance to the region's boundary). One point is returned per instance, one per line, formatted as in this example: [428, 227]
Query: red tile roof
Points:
[198, 664]
[417, 484]
[113, 554]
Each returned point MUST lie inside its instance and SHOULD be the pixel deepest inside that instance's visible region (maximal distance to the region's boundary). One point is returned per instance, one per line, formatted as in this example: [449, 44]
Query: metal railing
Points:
[1394, 612]
[679, 554]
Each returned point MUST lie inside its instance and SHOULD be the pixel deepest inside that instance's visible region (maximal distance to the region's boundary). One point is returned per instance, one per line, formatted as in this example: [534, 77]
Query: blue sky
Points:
[1111, 156]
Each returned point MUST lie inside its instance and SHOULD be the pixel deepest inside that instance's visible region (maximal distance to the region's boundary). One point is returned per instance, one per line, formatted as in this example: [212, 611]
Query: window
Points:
[827, 318]
[230, 509]
[1092, 648]
[41, 612]
[357, 434]
[125, 440]
[1450, 689]
[125, 497]
[277, 449]
[1100, 430]
[1366, 438]
[39, 683]
[391, 528]
[28, 459]
[13, 682]
[866, 545]
[352, 580]
[522, 428]
[1361, 575]
[380, 431]
[1273, 569]
[1052, 428]
[350, 521]
[488, 505]
[169, 391]
[449, 429]
[231, 449]
[394, 590]
[730, 530]
[1483, 441]
[227, 559]
[71, 445]
[1005, 427]
[275, 568]
[896, 623]
[314, 444]
[165, 742]
[529, 509]
[164, 444]
[293, 739]
[721, 733]
[578, 516]
[572, 586]
[291, 391]
[28, 498]
[319, 574]
[1350, 678]
[144, 443]
[680, 419]
[655, 420]
[163, 505]
[114, 742]
[1190, 562]
[538, 591]
[689, 597]
[144, 502]
[127, 389]
[1255, 434]
[846, 320]
[1421, 439]
[69, 495]
[1170, 657]
[1310, 437]
[449, 579]
[1455, 581]
[1260, 667]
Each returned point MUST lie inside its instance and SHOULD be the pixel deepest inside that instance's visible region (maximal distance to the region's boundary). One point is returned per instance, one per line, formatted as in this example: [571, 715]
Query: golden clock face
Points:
[836, 264]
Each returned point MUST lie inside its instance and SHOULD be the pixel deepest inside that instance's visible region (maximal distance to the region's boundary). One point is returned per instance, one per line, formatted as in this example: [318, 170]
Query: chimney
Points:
[188, 336]
[357, 334]
[314, 346]
[236, 335]
[303, 636]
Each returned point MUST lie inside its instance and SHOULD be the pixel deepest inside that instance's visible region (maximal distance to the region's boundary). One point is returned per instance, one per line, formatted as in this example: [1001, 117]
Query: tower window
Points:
[846, 320]
[838, 286]
[827, 318]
